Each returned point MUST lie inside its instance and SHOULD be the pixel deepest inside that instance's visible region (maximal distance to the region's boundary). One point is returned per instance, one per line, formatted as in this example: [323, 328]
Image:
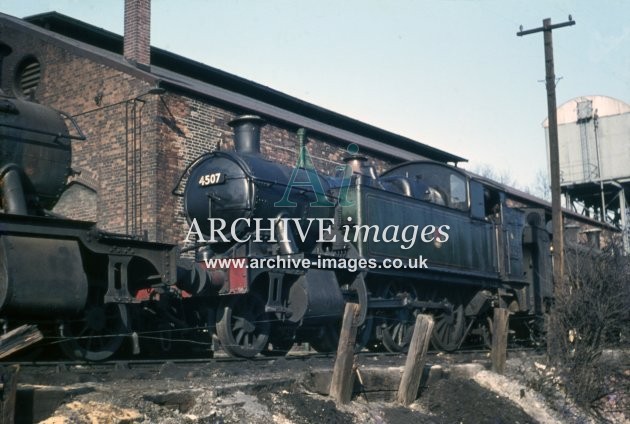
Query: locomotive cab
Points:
[432, 182]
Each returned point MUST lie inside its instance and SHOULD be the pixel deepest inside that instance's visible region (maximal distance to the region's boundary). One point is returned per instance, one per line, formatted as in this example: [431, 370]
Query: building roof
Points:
[177, 72]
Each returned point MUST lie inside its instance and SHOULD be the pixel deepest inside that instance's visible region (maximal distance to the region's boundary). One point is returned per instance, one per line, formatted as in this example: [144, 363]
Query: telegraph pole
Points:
[554, 156]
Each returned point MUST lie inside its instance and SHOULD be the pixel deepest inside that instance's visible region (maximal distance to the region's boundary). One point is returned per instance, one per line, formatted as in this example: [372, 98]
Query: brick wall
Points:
[169, 134]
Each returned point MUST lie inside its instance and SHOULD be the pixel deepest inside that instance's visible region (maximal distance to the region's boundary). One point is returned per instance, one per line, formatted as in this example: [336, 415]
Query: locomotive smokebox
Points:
[247, 133]
[235, 188]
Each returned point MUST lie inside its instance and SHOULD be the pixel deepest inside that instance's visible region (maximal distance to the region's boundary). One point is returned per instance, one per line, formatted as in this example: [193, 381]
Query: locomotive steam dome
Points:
[36, 140]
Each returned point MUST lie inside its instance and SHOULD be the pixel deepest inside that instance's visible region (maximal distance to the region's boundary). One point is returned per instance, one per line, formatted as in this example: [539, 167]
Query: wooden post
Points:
[9, 388]
[499, 339]
[410, 381]
[18, 339]
[343, 377]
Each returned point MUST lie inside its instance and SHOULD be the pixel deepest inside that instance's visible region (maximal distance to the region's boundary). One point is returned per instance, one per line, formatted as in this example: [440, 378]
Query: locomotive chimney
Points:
[137, 47]
[247, 133]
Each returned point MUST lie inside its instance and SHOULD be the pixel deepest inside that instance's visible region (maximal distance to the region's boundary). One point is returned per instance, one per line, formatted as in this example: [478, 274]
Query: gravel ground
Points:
[273, 392]
[449, 401]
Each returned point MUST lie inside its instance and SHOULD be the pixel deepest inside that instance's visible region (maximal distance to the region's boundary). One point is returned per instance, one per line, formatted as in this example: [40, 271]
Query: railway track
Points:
[461, 356]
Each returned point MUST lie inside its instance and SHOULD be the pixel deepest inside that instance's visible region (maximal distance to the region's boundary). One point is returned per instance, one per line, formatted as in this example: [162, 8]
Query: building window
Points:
[28, 76]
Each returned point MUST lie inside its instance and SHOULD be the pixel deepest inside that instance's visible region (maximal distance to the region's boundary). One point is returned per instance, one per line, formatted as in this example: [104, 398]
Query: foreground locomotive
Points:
[71, 279]
[470, 251]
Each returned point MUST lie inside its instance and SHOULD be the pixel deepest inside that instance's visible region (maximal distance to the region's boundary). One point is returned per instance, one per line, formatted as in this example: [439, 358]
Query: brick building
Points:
[148, 113]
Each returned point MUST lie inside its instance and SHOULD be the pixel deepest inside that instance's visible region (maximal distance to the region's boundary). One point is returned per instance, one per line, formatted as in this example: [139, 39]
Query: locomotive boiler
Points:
[35, 156]
[237, 187]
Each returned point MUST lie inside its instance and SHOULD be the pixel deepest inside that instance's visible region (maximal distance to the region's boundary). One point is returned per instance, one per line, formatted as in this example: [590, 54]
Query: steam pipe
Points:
[13, 191]
[288, 246]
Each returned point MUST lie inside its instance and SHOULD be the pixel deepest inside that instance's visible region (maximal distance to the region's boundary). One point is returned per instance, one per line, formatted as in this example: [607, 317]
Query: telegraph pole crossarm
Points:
[546, 28]
[554, 156]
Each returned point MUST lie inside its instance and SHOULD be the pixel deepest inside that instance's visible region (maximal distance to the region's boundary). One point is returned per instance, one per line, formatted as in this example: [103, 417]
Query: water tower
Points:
[594, 147]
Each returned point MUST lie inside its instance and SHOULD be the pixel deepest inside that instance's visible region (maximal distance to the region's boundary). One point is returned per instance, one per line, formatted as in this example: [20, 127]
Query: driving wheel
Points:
[97, 334]
[449, 328]
[243, 326]
[397, 326]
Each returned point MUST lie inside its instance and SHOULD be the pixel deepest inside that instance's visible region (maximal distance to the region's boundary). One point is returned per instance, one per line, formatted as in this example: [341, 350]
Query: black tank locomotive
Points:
[495, 254]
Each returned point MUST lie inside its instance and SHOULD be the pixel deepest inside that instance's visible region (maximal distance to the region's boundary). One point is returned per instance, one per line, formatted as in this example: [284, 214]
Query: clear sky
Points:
[451, 74]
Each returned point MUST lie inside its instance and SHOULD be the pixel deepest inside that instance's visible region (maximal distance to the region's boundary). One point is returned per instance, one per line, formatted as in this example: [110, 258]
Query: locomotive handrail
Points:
[81, 135]
[184, 174]
[56, 135]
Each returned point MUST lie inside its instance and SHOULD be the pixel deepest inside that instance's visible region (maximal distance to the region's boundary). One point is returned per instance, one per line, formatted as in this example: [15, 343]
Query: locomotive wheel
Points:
[281, 339]
[97, 334]
[449, 328]
[243, 326]
[398, 325]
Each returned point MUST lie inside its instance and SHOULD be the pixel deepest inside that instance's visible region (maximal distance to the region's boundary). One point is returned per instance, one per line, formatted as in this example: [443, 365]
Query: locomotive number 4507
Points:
[211, 179]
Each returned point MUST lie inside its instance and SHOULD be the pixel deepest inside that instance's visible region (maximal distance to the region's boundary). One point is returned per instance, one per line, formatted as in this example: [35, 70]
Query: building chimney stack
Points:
[137, 48]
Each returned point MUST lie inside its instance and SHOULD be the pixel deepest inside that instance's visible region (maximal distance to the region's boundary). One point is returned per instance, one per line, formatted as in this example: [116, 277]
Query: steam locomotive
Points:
[74, 281]
[422, 237]
[480, 252]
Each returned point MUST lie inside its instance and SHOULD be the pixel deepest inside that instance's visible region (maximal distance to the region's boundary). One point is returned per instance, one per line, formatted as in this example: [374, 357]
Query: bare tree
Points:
[501, 176]
[591, 312]
[542, 185]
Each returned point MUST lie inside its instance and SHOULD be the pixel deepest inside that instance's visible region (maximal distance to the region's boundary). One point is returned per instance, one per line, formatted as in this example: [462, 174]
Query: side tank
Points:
[34, 142]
